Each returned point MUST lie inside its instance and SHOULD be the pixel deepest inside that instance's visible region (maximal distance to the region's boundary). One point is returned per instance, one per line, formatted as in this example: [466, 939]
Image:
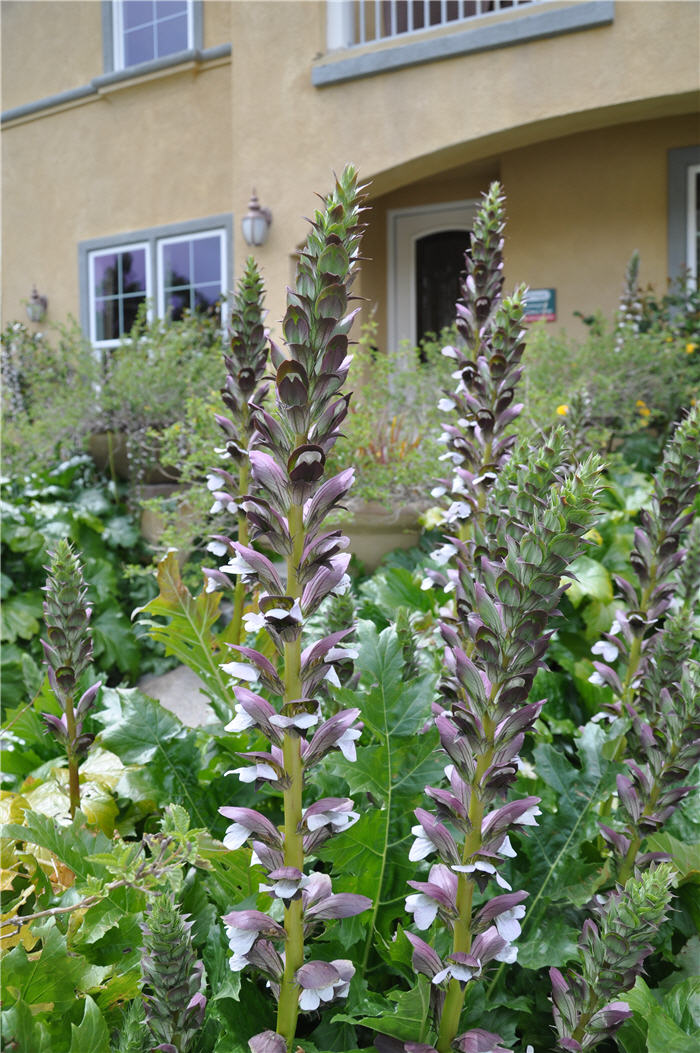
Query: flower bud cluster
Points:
[68, 653]
[173, 977]
[657, 689]
[286, 508]
[525, 529]
[611, 952]
[243, 387]
[488, 367]
[629, 313]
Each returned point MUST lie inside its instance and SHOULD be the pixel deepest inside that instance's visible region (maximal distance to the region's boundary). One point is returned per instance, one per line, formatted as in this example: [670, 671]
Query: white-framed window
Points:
[119, 283]
[693, 223]
[145, 30]
[172, 269]
[190, 271]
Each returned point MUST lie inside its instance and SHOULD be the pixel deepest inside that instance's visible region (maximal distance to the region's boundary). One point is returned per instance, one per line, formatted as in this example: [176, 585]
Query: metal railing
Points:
[367, 21]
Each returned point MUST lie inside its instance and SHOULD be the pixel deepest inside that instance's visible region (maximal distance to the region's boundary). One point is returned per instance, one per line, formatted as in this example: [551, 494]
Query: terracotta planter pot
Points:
[108, 450]
[375, 530]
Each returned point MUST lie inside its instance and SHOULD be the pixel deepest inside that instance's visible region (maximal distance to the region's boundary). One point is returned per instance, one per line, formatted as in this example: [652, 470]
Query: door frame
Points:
[404, 227]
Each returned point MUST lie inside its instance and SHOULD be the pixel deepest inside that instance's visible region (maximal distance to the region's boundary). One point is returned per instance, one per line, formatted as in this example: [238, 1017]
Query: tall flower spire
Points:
[286, 509]
[68, 652]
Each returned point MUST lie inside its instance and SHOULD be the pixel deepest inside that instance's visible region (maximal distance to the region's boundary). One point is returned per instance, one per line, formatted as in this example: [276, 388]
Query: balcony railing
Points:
[352, 23]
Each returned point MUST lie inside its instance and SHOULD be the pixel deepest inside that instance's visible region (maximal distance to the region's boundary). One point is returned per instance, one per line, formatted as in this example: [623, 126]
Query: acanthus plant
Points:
[244, 387]
[656, 683]
[514, 548]
[68, 652]
[286, 511]
[488, 370]
[172, 977]
[612, 950]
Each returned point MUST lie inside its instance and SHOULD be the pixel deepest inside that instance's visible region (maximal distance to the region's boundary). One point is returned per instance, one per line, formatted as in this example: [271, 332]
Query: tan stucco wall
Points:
[412, 124]
[545, 114]
[137, 157]
[48, 47]
[51, 46]
[579, 206]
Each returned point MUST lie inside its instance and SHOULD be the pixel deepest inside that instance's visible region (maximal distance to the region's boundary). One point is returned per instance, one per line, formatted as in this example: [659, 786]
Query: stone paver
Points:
[180, 691]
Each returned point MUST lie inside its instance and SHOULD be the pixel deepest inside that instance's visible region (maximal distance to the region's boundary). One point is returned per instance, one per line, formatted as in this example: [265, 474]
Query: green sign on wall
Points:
[541, 305]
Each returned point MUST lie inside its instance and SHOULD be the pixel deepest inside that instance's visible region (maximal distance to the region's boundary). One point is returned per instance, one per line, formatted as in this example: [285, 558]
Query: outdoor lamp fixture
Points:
[36, 306]
[256, 223]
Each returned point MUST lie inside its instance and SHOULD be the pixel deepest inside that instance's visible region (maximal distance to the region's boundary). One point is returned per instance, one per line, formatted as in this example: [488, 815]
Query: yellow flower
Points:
[562, 410]
[689, 348]
[640, 402]
[644, 411]
[669, 339]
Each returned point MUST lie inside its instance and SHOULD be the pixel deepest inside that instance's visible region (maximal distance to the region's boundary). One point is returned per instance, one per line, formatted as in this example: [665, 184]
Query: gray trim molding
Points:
[679, 161]
[105, 79]
[151, 235]
[585, 15]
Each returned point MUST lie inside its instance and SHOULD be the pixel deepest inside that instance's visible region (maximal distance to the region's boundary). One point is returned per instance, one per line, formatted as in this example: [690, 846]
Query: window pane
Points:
[176, 263]
[171, 36]
[134, 271]
[106, 319]
[138, 46]
[176, 303]
[205, 296]
[167, 8]
[131, 306]
[207, 260]
[105, 271]
[137, 13]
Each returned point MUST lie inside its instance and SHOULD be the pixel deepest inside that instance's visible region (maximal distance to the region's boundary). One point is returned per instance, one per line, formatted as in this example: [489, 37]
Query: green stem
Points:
[239, 594]
[454, 999]
[288, 1006]
[73, 774]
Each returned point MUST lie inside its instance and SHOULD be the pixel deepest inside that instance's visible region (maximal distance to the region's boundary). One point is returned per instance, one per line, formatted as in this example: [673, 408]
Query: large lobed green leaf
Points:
[141, 732]
[187, 632]
[387, 781]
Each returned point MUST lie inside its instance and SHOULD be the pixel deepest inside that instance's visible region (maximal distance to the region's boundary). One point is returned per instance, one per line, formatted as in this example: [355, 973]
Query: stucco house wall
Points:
[577, 121]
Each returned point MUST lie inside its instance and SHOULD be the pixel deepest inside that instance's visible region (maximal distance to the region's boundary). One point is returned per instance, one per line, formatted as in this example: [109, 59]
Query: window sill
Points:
[192, 58]
[537, 26]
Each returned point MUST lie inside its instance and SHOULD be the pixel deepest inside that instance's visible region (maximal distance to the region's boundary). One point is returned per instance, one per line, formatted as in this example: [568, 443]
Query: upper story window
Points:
[145, 30]
[176, 268]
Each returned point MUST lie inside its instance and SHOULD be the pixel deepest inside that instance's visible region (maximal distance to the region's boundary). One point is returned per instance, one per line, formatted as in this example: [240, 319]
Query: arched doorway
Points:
[426, 256]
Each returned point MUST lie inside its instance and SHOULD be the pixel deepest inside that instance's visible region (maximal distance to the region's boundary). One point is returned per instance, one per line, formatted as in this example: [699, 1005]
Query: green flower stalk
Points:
[611, 955]
[488, 369]
[520, 527]
[287, 506]
[629, 314]
[653, 685]
[68, 653]
[245, 364]
[173, 977]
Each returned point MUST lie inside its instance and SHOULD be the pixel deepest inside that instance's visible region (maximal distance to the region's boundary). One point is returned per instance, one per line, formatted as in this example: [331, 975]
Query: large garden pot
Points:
[375, 529]
[109, 451]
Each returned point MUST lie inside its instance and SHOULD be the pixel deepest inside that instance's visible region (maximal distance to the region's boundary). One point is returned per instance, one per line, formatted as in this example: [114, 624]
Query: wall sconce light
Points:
[36, 306]
[256, 223]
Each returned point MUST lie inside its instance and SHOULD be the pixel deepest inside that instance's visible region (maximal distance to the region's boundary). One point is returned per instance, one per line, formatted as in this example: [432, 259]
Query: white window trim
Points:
[221, 224]
[405, 226]
[92, 298]
[693, 205]
[173, 240]
[118, 34]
